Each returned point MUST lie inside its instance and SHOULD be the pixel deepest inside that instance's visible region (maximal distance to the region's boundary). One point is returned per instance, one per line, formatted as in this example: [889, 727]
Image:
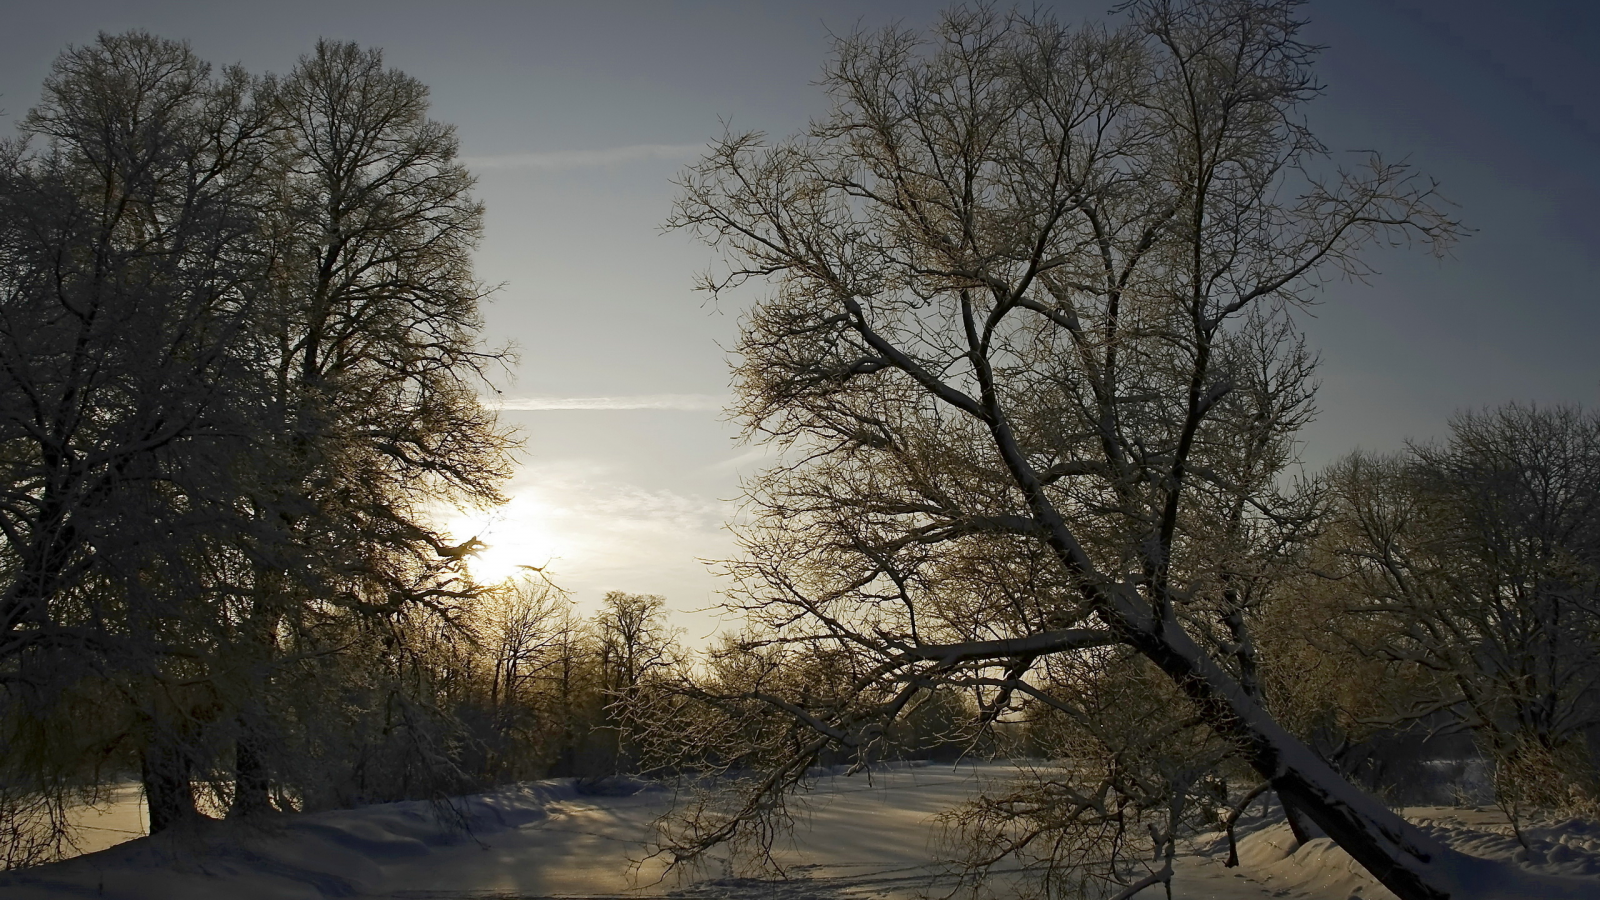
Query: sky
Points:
[575, 116]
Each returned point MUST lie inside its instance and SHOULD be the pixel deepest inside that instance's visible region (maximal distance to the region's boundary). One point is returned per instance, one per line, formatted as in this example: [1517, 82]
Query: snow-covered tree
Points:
[239, 360]
[374, 357]
[132, 268]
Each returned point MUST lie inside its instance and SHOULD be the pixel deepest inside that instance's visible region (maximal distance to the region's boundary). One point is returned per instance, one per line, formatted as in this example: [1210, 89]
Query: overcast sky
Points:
[575, 116]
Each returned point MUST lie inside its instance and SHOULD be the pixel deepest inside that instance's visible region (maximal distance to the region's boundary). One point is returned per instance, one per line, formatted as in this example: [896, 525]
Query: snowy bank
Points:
[1564, 860]
[340, 853]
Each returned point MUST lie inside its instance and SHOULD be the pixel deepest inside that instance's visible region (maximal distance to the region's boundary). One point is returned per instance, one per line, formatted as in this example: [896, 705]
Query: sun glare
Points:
[518, 534]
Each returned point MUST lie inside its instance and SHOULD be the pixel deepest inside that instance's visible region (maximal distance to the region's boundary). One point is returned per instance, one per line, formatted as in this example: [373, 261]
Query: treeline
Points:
[239, 366]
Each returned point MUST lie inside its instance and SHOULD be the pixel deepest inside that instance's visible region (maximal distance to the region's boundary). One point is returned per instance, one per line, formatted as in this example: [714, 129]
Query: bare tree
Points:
[635, 650]
[523, 633]
[1027, 341]
[1475, 564]
[518, 634]
[375, 359]
[633, 639]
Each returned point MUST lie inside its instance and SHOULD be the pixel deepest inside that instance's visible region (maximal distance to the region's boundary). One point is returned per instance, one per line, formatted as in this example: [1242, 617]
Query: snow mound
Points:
[1567, 850]
[1317, 867]
[339, 853]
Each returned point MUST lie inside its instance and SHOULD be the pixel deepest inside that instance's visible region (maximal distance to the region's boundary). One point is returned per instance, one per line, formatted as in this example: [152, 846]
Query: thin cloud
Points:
[579, 159]
[685, 402]
[755, 456]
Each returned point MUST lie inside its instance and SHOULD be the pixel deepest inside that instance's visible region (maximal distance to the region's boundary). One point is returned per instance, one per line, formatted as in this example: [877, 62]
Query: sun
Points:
[520, 533]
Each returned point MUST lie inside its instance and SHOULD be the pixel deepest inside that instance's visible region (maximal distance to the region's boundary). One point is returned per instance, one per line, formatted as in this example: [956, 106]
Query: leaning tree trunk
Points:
[1398, 854]
[1303, 829]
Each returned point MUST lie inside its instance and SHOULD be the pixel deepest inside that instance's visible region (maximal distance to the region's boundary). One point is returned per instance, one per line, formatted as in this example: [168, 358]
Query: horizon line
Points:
[677, 402]
[577, 159]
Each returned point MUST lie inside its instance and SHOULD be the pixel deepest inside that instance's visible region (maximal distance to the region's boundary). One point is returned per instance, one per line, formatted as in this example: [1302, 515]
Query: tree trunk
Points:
[250, 781]
[1303, 829]
[168, 790]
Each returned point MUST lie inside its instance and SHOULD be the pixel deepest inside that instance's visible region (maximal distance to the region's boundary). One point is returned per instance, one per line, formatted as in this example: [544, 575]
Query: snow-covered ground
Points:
[860, 839]
[121, 818]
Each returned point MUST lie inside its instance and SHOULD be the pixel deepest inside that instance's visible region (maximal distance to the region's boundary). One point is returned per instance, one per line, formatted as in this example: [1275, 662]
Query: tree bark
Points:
[168, 788]
[250, 781]
[1303, 829]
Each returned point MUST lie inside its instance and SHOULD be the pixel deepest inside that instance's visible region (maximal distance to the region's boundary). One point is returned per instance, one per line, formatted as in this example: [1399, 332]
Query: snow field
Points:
[864, 837]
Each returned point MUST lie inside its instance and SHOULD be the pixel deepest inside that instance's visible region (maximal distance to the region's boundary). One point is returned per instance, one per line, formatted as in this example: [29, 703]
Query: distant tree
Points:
[524, 633]
[1028, 344]
[517, 634]
[574, 699]
[635, 649]
[1474, 564]
[633, 638]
